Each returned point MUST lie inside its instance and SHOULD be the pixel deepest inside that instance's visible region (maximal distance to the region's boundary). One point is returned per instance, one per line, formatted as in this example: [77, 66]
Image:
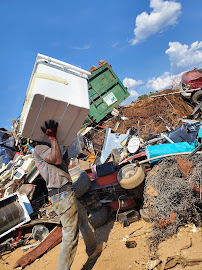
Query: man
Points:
[72, 214]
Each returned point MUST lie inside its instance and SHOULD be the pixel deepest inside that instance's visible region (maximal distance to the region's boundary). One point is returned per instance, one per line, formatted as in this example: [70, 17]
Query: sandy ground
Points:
[116, 256]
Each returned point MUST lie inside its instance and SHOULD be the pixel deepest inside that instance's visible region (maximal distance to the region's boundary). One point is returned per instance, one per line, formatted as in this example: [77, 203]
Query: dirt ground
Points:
[116, 256]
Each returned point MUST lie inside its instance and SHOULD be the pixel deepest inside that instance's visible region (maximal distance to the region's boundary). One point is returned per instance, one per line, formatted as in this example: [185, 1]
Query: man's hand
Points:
[55, 156]
[51, 129]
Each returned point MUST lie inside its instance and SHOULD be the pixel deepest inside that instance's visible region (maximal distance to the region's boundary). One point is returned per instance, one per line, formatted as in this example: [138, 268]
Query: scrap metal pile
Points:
[112, 150]
[144, 114]
[170, 197]
[122, 172]
[149, 117]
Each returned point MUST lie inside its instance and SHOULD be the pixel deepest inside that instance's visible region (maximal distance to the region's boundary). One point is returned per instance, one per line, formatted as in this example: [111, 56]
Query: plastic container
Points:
[105, 169]
[57, 91]
[168, 148]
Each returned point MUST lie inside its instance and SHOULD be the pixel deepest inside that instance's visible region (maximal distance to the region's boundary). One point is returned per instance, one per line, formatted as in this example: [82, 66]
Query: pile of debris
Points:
[153, 115]
[170, 196]
[149, 117]
[133, 165]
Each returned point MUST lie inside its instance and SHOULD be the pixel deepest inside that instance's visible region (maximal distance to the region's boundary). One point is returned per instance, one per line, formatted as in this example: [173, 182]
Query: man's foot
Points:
[98, 251]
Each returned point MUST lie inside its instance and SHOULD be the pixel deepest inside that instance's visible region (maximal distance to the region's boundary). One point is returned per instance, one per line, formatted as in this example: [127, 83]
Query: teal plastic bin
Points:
[168, 148]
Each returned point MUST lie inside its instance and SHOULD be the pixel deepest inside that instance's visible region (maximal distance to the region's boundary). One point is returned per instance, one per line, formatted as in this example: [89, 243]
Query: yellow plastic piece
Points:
[91, 158]
[48, 77]
[123, 143]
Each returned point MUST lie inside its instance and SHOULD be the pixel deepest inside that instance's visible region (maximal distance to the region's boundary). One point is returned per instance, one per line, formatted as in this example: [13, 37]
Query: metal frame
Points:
[26, 215]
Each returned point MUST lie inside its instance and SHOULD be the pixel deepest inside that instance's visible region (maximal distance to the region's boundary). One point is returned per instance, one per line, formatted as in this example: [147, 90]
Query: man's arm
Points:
[55, 156]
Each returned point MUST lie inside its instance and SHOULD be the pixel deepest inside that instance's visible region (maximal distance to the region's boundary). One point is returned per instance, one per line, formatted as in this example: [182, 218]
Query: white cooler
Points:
[57, 91]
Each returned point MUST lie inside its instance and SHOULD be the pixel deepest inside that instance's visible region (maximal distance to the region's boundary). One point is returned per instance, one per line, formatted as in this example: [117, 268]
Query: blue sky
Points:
[147, 42]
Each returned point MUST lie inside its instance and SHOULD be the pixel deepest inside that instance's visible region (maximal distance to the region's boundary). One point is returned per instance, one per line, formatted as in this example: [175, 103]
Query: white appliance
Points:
[57, 91]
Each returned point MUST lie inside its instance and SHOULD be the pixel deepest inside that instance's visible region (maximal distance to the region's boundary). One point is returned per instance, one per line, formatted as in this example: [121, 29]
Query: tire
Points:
[99, 217]
[197, 97]
[81, 184]
[130, 177]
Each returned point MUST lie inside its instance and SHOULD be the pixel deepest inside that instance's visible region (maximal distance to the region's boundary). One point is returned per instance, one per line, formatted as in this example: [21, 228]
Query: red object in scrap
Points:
[107, 179]
[123, 205]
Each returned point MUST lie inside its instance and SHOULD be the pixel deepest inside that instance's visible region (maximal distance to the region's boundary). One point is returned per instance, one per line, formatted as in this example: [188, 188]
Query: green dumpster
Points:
[106, 92]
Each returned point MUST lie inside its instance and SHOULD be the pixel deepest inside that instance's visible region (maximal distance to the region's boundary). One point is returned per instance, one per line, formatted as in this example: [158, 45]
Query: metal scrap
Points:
[174, 260]
[128, 217]
[171, 203]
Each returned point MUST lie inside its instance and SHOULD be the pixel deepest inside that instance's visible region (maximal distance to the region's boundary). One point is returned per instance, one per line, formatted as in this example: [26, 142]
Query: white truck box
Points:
[57, 91]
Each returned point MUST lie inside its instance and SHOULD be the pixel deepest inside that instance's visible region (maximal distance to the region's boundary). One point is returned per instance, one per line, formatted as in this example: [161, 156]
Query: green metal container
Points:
[106, 92]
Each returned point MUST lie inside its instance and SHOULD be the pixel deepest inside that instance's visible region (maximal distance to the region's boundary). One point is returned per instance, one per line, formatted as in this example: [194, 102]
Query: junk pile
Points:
[153, 115]
[170, 198]
[18, 171]
[137, 161]
[146, 119]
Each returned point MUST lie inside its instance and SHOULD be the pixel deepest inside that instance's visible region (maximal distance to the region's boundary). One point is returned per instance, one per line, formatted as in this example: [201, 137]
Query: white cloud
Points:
[164, 14]
[85, 47]
[164, 81]
[182, 56]
[116, 44]
[133, 93]
[130, 83]
[56, 44]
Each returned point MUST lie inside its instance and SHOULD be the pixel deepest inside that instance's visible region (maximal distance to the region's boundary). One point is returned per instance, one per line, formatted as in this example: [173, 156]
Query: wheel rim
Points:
[128, 172]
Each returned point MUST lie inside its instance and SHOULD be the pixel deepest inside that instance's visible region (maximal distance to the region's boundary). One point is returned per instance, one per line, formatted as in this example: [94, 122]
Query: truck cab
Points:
[192, 81]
